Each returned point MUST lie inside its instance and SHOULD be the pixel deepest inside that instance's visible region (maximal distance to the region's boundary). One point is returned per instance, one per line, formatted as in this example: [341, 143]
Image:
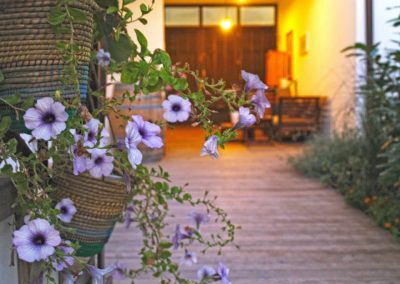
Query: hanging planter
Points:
[99, 205]
[77, 199]
[29, 60]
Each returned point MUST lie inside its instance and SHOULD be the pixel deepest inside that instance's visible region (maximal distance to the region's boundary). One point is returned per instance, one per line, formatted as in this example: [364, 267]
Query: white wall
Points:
[324, 70]
[383, 31]
[154, 30]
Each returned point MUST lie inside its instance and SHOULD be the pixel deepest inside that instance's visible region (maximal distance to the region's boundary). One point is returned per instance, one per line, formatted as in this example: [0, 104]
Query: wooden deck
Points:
[294, 229]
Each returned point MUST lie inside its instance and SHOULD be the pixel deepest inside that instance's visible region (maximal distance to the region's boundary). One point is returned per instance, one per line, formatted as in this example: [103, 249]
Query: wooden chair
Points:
[297, 116]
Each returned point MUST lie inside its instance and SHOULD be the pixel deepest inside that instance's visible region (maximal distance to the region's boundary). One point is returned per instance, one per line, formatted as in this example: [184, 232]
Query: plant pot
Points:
[99, 205]
[31, 64]
[148, 106]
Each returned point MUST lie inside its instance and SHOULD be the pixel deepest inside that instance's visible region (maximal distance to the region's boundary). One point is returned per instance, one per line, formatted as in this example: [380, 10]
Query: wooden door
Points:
[222, 54]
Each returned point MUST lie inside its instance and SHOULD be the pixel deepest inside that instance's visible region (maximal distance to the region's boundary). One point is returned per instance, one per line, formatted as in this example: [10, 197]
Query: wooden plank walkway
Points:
[294, 229]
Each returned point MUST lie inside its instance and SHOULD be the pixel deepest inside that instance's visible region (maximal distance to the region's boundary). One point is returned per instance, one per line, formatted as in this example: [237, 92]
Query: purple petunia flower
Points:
[189, 258]
[177, 237]
[149, 132]
[223, 273]
[99, 164]
[79, 161]
[90, 138]
[205, 272]
[246, 119]
[128, 216]
[180, 235]
[36, 240]
[253, 82]
[210, 147]
[103, 58]
[67, 210]
[69, 278]
[199, 219]
[132, 140]
[260, 103]
[79, 165]
[47, 119]
[9, 161]
[99, 274]
[135, 157]
[176, 109]
[30, 142]
[119, 272]
[27, 219]
[67, 260]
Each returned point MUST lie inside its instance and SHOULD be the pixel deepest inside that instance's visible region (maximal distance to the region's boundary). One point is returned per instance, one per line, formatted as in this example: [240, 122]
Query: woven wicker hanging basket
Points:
[29, 60]
[99, 205]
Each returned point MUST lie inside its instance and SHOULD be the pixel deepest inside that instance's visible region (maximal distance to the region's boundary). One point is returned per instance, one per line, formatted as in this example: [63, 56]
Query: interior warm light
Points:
[226, 24]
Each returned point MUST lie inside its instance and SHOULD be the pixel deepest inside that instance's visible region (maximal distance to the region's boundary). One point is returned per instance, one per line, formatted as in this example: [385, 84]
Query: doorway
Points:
[218, 53]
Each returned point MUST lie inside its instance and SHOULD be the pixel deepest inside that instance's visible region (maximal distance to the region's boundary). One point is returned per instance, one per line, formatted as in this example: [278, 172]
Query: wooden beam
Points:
[369, 20]
[7, 197]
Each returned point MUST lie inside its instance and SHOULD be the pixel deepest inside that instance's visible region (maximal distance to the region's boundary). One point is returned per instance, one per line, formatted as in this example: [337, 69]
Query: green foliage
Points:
[365, 165]
[151, 191]
[4, 125]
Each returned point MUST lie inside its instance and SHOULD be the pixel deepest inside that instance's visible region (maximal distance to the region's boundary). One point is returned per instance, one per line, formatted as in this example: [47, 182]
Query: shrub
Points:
[364, 164]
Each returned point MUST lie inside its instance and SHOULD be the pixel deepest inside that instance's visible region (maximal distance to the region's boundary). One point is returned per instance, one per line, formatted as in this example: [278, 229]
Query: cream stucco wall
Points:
[154, 30]
[324, 70]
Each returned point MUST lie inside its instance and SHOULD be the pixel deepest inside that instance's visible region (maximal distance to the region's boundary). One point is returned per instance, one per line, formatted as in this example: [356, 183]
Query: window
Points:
[182, 16]
[212, 16]
[195, 16]
[257, 16]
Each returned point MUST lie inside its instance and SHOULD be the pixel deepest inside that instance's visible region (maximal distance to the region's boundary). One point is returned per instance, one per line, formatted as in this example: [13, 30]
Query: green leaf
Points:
[165, 245]
[161, 57]
[153, 78]
[56, 16]
[166, 76]
[112, 10]
[6, 169]
[128, 13]
[144, 9]
[12, 145]
[142, 41]
[4, 125]
[126, 2]
[1, 76]
[28, 102]
[180, 84]
[121, 49]
[165, 254]
[187, 196]
[107, 3]
[130, 73]
[143, 21]
[78, 15]
[13, 100]
[175, 190]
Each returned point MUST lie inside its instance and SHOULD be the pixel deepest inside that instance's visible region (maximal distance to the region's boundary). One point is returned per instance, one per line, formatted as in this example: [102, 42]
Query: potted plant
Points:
[76, 180]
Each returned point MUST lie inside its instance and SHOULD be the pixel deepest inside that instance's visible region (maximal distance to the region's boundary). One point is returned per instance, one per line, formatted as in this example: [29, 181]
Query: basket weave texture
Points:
[29, 60]
[99, 205]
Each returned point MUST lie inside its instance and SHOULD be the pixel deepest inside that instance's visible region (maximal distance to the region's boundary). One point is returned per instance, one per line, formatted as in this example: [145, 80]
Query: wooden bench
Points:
[297, 116]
